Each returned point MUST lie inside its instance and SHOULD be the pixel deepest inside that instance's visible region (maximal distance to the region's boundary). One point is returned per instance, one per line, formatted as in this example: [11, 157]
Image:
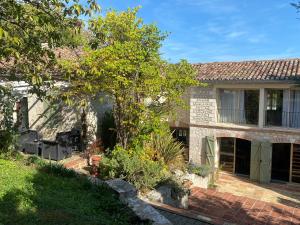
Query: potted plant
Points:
[201, 176]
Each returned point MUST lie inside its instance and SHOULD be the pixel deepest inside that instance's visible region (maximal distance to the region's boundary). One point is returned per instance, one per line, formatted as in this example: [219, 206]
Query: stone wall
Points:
[203, 122]
[203, 105]
[197, 135]
[48, 118]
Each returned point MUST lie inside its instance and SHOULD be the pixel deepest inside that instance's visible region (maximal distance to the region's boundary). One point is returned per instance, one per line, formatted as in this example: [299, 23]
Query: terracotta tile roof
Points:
[7, 68]
[264, 70]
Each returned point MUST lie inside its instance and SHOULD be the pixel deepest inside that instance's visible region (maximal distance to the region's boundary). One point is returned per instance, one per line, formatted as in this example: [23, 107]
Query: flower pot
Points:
[95, 165]
[96, 160]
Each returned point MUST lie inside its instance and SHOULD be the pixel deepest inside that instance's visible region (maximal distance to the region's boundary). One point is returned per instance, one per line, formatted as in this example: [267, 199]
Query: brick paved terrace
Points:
[278, 193]
[225, 207]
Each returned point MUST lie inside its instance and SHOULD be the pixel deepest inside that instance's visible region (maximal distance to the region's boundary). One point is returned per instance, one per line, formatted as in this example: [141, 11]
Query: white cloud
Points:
[235, 34]
[256, 39]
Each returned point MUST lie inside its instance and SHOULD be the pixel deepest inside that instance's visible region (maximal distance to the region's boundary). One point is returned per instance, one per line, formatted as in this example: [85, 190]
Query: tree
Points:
[123, 60]
[30, 30]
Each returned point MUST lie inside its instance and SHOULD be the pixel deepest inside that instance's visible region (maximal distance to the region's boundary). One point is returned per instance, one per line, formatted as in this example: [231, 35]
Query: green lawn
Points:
[33, 196]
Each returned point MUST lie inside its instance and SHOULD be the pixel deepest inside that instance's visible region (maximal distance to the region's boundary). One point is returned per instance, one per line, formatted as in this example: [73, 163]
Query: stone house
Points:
[49, 118]
[246, 119]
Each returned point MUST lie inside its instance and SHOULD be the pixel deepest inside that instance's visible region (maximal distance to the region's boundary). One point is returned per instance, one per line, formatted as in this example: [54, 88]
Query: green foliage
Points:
[108, 131]
[178, 190]
[134, 167]
[203, 170]
[11, 155]
[49, 167]
[26, 25]
[8, 141]
[123, 60]
[34, 160]
[30, 196]
[57, 169]
[167, 148]
[8, 136]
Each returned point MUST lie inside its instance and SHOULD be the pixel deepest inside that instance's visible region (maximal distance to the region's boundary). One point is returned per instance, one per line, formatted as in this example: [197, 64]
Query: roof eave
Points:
[249, 81]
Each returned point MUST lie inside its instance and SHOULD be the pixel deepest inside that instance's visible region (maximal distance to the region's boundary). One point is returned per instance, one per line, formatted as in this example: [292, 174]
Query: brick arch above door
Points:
[234, 134]
[261, 136]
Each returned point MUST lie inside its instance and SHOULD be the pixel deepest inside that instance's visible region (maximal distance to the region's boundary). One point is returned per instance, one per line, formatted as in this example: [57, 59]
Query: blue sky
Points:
[221, 30]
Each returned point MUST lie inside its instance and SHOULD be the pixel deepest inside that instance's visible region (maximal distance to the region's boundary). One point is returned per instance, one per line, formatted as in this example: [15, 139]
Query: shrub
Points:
[35, 160]
[50, 168]
[134, 167]
[177, 187]
[12, 155]
[168, 149]
[8, 137]
[57, 169]
[8, 140]
[203, 170]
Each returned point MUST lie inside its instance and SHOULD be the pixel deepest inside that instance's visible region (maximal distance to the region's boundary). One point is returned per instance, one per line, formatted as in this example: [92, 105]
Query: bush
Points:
[8, 140]
[34, 160]
[50, 168]
[203, 170]
[168, 149]
[177, 187]
[134, 167]
[57, 170]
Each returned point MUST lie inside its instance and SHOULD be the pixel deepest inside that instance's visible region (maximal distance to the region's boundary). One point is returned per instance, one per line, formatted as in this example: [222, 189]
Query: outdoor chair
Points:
[29, 141]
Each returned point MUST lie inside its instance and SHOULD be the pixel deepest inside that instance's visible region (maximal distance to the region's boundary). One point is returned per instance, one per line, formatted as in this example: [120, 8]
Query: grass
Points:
[32, 195]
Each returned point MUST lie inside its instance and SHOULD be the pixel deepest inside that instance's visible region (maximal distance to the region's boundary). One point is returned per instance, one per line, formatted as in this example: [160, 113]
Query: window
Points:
[181, 135]
[274, 114]
[238, 106]
[274, 99]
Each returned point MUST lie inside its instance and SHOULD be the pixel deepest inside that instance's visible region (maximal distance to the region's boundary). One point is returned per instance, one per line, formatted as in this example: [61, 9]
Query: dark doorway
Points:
[281, 162]
[227, 154]
[242, 157]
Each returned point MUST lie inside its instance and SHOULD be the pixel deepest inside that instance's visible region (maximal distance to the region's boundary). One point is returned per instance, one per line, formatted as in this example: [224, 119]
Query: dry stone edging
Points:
[128, 195]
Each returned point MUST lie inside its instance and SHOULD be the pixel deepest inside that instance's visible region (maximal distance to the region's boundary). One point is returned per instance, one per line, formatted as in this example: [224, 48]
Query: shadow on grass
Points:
[50, 197]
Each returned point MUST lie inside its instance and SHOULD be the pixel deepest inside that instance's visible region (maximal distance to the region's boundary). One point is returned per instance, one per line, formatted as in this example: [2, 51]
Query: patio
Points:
[238, 201]
[287, 194]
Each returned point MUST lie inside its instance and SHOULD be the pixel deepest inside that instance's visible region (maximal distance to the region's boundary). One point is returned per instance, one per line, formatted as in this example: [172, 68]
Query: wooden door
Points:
[265, 162]
[261, 159]
[210, 151]
[255, 160]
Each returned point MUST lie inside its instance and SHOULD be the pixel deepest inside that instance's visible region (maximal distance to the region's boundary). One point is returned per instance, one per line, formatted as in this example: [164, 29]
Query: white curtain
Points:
[295, 109]
[285, 108]
[227, 100]
[232, 106]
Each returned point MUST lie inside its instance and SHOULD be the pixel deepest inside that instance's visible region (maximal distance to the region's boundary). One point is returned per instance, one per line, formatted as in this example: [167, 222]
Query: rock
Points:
[197, 181]
[124, 189]
[178, 173]
[155, 196]
[146, 212]
[163, 194]
[128, 195]
[96, 181]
